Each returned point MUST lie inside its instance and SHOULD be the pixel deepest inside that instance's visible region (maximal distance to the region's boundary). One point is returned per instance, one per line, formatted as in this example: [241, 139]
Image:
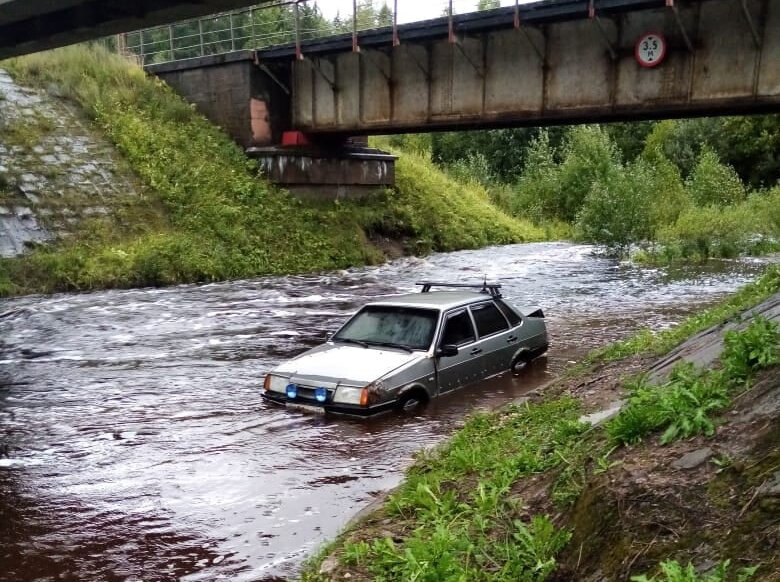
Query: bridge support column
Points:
[347, 172]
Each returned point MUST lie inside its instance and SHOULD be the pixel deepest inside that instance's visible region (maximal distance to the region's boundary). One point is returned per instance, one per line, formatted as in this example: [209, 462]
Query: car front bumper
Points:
[328, 407]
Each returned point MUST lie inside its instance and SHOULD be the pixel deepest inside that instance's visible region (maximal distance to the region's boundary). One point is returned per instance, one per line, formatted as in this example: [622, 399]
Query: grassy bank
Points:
[514, 495]
[220, 218]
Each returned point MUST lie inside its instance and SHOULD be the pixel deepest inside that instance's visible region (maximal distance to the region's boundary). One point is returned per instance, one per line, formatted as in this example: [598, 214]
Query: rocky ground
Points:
[55, 170]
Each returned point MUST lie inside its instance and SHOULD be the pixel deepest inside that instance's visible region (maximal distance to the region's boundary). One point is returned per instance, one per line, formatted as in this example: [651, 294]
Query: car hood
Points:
[347, 364]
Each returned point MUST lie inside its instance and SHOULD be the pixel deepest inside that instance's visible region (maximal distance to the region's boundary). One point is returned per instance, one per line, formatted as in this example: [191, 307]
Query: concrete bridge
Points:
[553, 62]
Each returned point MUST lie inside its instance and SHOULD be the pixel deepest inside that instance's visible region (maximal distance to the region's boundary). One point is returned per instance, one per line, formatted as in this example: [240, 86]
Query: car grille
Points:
[307, 393]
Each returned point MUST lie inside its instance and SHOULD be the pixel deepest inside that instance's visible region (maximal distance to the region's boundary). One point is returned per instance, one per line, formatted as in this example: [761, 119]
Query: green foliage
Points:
[673, 571]
[714, 183]
[756, 347]
[748, 227]
[504, 149]
[623, 186]
[474, 168]
[355, 553]
[589, 157]
[630, 137]
[684, 404]
[475, 533]
[418, 143]
[434, 212]
[750, 144]
[534, 195]
[616, 212]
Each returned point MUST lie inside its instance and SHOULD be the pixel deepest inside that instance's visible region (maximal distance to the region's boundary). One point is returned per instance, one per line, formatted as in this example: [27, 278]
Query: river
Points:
[134, 443]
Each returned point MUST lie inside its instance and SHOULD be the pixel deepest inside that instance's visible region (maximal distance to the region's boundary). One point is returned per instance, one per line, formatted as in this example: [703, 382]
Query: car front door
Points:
[464, 367]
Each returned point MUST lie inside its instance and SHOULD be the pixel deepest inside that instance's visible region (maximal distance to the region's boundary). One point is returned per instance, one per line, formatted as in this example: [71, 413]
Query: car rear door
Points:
[463, 368]
[495, 339]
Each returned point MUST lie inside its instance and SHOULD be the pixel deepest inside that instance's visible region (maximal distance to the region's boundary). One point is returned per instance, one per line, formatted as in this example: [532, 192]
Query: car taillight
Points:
[364, 397]
[267, 383]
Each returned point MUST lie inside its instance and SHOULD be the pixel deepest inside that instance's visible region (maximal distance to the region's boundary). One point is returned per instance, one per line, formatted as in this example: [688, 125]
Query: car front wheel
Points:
[411, 401]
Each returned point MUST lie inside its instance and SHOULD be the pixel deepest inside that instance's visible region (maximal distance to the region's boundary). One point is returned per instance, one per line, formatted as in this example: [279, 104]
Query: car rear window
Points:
[488, 319]
[458, 330]
[509, 313]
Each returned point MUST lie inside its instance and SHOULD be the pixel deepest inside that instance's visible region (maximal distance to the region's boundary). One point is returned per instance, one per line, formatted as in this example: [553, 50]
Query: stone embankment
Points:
[55, 171]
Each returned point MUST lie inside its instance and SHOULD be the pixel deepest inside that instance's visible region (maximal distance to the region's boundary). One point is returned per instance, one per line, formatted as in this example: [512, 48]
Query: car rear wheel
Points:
[520, 363]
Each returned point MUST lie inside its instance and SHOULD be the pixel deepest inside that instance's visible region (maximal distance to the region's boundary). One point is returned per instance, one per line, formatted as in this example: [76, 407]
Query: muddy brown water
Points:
[134, 444]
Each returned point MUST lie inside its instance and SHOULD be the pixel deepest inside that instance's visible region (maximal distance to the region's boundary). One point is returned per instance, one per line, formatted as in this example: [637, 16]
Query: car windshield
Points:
[388, 325]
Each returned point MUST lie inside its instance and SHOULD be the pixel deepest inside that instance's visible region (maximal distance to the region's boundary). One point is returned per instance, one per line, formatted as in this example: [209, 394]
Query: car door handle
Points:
[476, 351]
[511, 338]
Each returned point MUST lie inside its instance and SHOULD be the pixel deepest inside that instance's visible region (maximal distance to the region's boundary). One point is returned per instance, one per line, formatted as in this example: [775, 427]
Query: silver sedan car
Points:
[403, 351]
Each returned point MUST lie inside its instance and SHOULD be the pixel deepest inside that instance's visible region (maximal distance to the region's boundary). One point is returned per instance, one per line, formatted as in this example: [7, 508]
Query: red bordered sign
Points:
[650, 49]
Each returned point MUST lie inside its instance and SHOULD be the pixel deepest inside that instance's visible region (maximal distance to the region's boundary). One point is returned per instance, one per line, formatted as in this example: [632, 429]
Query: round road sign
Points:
[650, 49]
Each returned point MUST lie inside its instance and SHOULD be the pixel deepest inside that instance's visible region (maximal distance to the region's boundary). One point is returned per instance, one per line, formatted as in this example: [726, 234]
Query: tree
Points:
[713, 183]
[385, 16]
[589, 157]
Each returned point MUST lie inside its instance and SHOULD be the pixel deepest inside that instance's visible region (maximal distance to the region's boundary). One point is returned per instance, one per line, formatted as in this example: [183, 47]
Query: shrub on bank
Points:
[752, 227]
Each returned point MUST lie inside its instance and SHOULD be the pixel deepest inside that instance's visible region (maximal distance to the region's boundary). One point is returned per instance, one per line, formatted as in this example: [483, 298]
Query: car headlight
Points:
[350, 395]
[275, 383]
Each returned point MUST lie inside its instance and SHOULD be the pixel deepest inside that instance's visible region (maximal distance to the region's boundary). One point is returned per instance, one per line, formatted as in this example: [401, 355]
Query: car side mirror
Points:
[447, 351]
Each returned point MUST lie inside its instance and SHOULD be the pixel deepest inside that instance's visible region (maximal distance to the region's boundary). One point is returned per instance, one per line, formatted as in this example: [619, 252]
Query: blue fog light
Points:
[292, 391]
[321, 394]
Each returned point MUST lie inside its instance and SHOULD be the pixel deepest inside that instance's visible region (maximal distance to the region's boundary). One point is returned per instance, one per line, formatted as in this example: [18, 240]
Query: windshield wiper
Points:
[348, 340]
[392, 345]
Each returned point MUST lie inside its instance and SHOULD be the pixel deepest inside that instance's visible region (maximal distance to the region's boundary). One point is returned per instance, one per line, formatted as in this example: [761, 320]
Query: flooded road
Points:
[134, 443]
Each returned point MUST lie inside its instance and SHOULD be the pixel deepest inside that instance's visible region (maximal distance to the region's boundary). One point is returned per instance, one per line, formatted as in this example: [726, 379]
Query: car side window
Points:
[509, 313]
[458, 330]
[488, 319]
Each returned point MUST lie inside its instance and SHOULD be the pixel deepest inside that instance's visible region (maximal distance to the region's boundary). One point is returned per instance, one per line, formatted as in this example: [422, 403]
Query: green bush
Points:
[712, 231]
[475, 534]
[534, 195]
[684, 404]
[616, 213]
[713, 183]
[755, 348]
[589, 156]
[673, 571]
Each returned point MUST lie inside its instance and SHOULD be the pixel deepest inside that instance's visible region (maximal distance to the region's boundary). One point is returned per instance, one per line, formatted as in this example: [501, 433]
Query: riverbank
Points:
[205, 213]
[530, 492]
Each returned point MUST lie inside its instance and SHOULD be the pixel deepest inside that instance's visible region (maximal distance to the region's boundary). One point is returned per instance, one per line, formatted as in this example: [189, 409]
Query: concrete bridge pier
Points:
[307, 171]
[252, 103]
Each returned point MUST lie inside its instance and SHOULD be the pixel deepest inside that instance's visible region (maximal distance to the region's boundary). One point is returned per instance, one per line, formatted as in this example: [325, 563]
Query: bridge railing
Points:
[281, 22]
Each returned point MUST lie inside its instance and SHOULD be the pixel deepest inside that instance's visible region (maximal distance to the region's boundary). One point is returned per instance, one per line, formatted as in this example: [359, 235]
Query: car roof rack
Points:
[492, 289]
